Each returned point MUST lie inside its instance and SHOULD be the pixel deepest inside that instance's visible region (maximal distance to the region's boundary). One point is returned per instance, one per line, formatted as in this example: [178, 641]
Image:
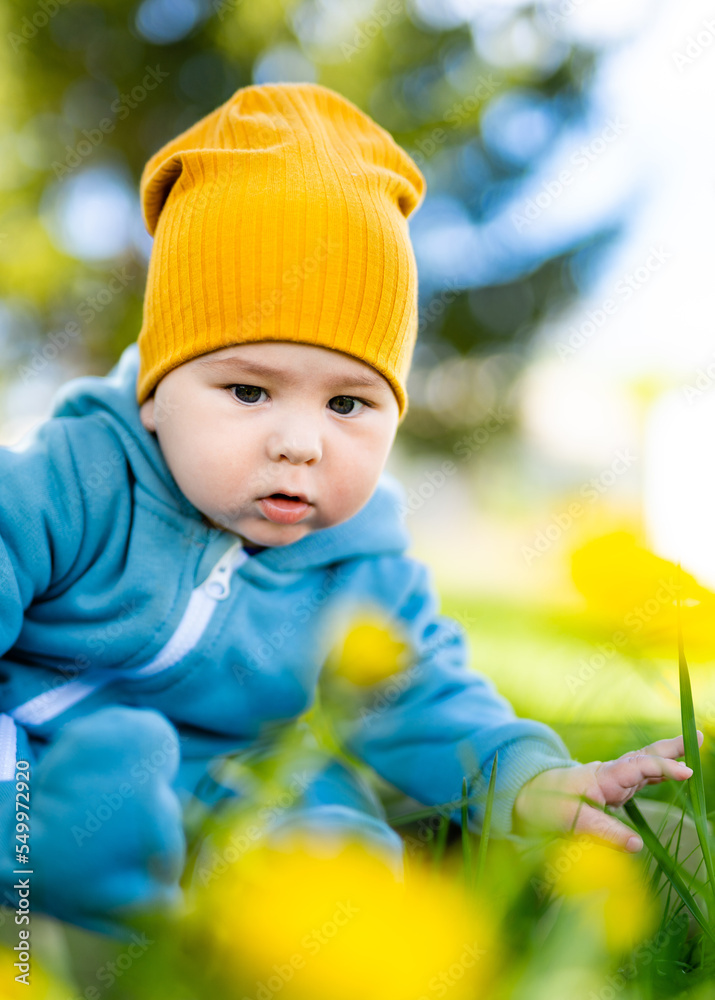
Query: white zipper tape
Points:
[201, 606]
[8, 748]
[57, 700]
[192, 625]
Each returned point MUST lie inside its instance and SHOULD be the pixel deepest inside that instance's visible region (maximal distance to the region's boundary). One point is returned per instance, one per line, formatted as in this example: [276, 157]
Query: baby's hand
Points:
[552, 800]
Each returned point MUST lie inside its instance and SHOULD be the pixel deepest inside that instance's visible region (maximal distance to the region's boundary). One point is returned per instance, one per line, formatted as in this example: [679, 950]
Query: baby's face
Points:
[249, 428]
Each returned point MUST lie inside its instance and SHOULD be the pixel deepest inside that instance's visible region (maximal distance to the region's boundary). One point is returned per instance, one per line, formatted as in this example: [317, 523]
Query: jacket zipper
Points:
[197, 615]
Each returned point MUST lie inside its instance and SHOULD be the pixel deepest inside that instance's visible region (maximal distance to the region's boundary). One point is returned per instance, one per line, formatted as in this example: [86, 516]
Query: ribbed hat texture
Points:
[282, 215]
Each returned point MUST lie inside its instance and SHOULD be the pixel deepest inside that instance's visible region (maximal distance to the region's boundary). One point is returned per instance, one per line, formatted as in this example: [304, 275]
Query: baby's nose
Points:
[297, 444]
[299, 452]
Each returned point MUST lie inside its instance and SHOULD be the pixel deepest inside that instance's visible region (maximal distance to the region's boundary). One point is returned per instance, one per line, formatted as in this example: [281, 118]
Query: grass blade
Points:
[441, 840]
[486, 825]
[429, 811]
[696, 785]
[667, 864]
[466, 834]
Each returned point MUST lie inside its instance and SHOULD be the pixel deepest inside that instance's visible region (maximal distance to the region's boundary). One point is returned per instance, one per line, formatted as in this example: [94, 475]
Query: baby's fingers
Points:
[668, 748]
[628, 774]
[608, 830]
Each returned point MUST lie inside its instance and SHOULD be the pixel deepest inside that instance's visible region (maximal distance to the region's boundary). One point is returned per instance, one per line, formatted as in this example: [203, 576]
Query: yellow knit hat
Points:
[282, 215]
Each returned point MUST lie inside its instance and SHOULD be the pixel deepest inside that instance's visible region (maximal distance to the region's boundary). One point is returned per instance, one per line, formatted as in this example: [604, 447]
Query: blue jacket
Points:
[116, 591]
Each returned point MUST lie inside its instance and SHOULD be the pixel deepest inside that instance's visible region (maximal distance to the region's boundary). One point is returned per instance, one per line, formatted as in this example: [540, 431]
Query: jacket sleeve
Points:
[42, 521]
[105, 843]
[440, 721]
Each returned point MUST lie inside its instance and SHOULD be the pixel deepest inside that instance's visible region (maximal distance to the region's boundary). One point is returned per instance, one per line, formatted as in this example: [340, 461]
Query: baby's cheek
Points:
[343, 487]
[348, 499]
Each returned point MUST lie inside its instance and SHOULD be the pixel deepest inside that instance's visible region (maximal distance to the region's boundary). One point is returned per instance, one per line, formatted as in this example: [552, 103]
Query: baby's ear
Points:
[146, 414]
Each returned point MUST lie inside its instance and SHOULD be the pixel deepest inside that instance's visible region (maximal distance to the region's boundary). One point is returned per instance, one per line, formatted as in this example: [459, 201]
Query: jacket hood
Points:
[377, 529]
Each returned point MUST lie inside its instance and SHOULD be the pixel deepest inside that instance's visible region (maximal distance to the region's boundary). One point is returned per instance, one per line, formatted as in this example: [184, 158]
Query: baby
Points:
[177, 538]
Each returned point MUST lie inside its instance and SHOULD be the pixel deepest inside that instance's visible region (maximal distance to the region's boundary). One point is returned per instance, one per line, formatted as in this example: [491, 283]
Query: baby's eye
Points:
[247, 393]
[345, 405]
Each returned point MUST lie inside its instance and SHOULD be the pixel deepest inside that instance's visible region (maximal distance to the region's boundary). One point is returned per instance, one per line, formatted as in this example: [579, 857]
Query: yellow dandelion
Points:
[319, 919]
[34, 982]
[609, 884]
[638, 591]
[372, 649]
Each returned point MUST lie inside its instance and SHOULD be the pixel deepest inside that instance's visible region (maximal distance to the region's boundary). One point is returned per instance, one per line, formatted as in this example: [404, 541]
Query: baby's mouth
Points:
[284, 508]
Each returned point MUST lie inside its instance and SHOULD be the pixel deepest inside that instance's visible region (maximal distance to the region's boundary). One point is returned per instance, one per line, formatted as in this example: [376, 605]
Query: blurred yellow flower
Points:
[38, 987]
[372, 649]
[638, 592]
[320, 920]
[609, 884]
